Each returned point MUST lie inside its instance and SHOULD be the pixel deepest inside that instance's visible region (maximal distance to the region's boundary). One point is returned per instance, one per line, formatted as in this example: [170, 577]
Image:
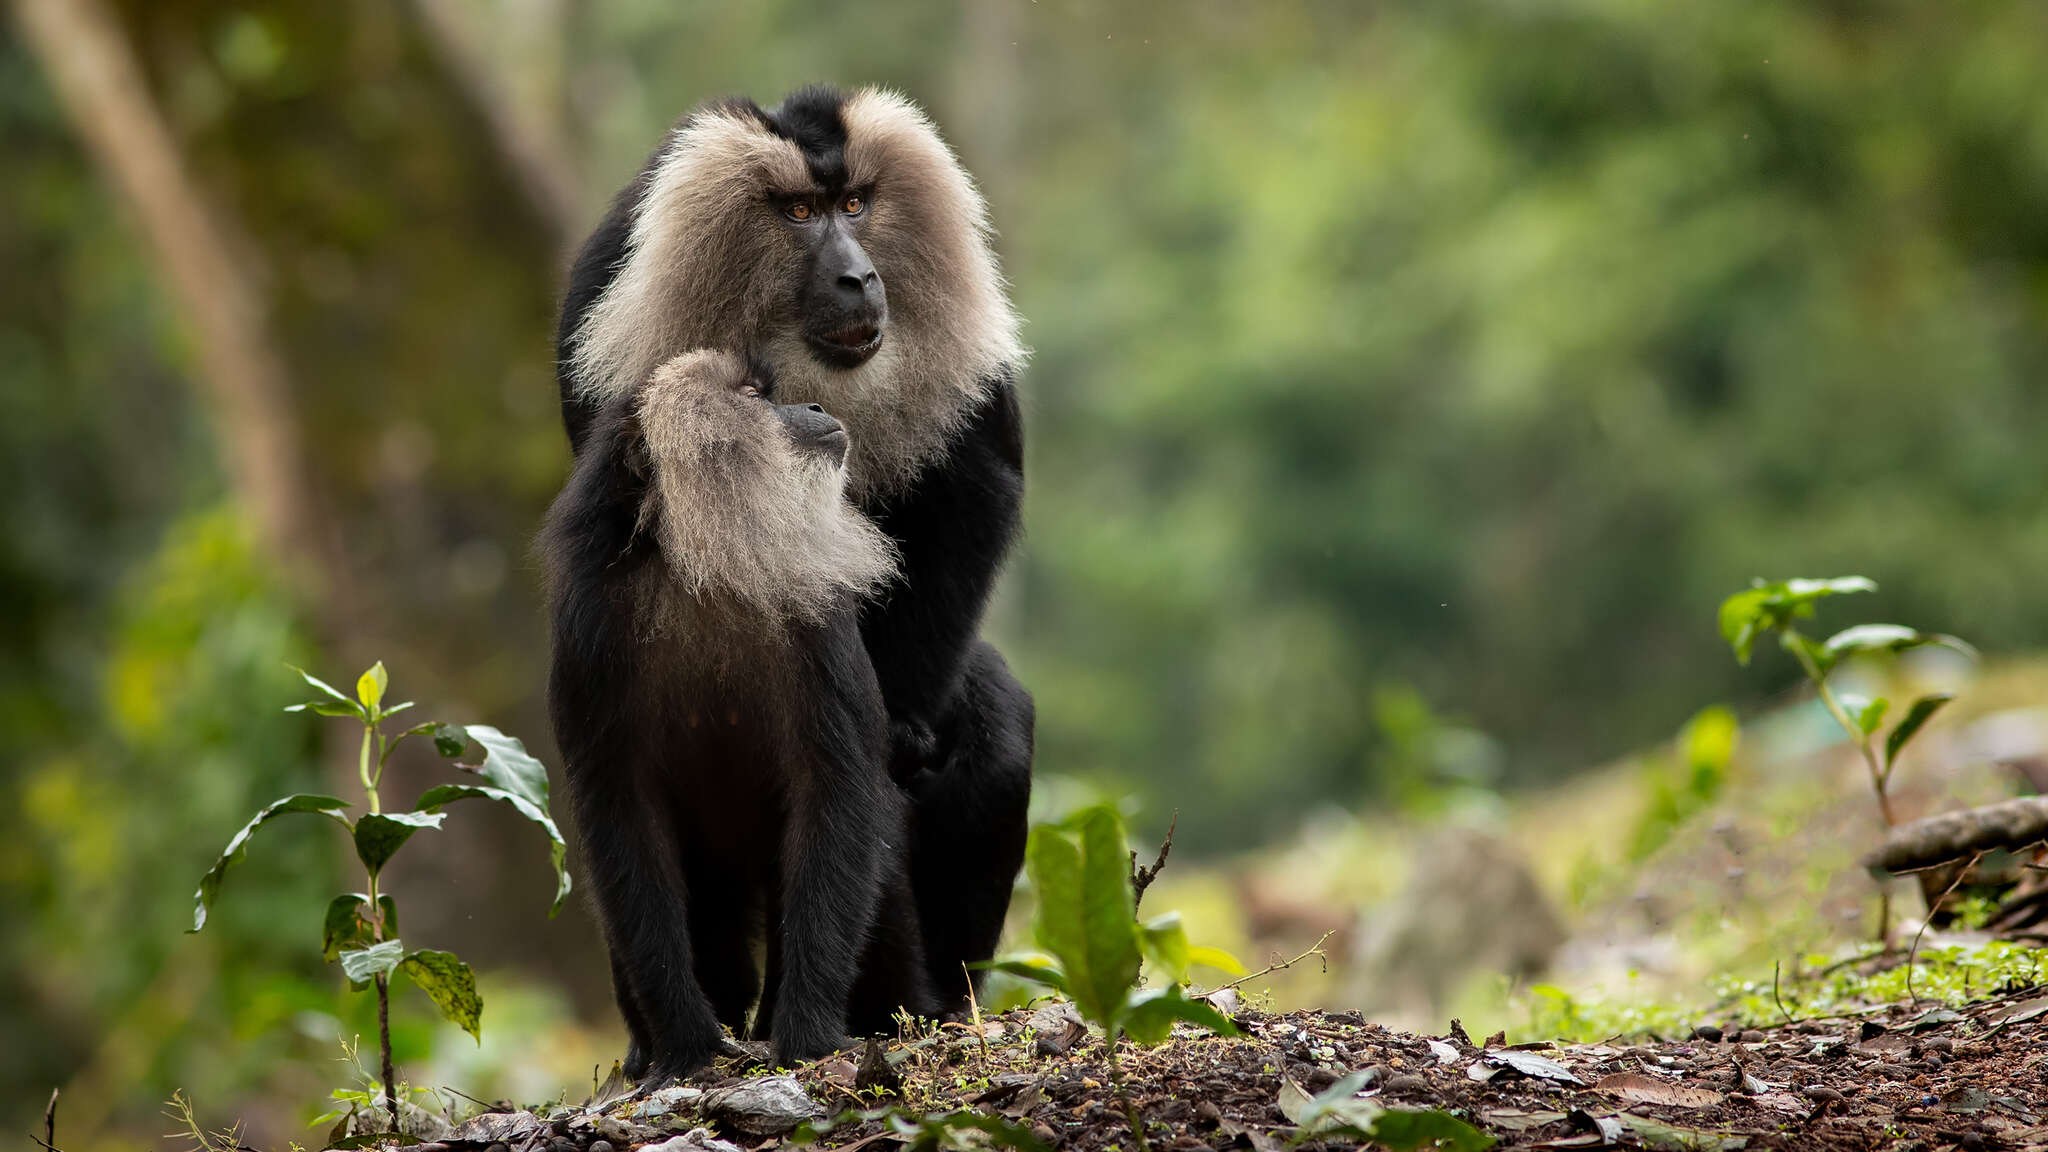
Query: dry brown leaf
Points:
[1639, 1089]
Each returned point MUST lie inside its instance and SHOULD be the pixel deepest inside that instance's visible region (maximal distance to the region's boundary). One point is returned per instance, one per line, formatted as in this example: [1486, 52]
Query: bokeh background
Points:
[1410, 381]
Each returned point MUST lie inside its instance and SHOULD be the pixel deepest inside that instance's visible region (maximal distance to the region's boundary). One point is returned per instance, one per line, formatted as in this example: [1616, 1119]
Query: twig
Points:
[1142, 878]
[484, 1104]
[974, 1006]
[1317, 950]
[1929, 919]
[50, 1121]
[1775, 998]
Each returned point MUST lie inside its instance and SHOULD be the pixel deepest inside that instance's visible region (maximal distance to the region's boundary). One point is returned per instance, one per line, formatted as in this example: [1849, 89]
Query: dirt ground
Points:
[1898, 1078]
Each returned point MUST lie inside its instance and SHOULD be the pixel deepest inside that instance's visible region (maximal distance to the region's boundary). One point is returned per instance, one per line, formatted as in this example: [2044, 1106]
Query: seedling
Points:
[1093, 945]
[360, 929]
[1778, 607]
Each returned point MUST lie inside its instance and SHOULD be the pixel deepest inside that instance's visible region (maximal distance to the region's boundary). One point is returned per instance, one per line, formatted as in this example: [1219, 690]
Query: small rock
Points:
[620, 1132]
[875, 1073]
[1208, 1113]
[600, 1146]
[1045, 1133]
[498, 1128]
[498, 1148]
[695, 1140]
[1709, 1033]
[561, 1144]
[669, 1101]
[1311, 1078]
[1407, 1082]
[1822, 1095]
[1753, 1036]
[763, 1106]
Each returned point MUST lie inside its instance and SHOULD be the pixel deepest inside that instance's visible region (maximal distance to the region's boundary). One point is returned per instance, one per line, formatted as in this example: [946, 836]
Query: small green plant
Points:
[1339, 1111]
[360, 929]
[1093, 945]
[1778, 607]
[960, 1128]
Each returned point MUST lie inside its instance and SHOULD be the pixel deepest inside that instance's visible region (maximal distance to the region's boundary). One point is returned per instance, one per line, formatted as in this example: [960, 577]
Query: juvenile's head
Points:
[748, 497]
[834, 235]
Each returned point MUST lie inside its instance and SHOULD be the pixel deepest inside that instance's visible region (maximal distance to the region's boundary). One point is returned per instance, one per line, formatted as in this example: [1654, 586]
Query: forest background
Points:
[1409, 383]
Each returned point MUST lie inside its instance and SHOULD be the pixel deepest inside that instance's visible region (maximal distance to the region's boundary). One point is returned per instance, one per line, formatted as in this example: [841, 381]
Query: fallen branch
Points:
[1317, 950]
[1921, 844]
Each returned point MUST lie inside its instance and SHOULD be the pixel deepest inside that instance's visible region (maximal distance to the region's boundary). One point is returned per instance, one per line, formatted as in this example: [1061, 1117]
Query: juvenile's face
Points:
[814, 432]
[749, 496]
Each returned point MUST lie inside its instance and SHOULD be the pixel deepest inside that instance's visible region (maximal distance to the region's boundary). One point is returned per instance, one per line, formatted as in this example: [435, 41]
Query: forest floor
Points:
[1896, 1078]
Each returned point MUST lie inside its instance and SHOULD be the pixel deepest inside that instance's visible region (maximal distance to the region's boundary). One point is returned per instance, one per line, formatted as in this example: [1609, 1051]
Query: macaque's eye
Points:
[797, 210]
[750, 390]
[853, 205]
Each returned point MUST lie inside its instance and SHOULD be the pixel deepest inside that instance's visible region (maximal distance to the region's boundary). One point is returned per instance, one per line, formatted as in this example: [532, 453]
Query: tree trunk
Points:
[93, 69]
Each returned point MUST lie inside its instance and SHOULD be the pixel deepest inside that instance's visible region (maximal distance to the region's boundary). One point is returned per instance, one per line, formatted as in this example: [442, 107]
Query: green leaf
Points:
[347, 927]
[1773, 607]
[1889, 638]
[328, 708]
[451, 985]
[1216, 958]
[1863, 711]
[361, 964]
[1742, 617]
[331, 691]
[1166, 944]
[1673, 1138]
[1053, 860]
[371, 684]
[434, 798]
[1085, 919]
[1109, 909]
[1148, 1014]
[237, 849]
[394, 710]
[1916, 718]
[1334, 1109]
[449, 740]
[379, 834]
[1338, 1110]
[1805, 591]
[508, 765]
[1403, 1130]
[1797, 643]
[964, 1128]
[1035, 969]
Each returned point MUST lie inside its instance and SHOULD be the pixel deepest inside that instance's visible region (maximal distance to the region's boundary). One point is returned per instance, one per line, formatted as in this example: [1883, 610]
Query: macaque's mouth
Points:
[848, 347]
[856, 338]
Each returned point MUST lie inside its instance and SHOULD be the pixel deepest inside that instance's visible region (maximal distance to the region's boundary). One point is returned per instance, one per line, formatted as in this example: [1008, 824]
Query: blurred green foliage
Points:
[1393, 363]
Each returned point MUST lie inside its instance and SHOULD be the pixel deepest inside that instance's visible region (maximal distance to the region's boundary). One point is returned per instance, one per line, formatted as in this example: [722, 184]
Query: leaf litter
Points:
[1319, 1082]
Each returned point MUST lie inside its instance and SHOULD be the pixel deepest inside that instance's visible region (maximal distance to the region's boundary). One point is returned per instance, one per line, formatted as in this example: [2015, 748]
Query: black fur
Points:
[728, 779]
[960, 726]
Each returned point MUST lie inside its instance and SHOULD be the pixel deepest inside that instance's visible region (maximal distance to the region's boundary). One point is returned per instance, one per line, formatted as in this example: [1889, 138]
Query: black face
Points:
[840, 297]
[842, 302]
[814, 430]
